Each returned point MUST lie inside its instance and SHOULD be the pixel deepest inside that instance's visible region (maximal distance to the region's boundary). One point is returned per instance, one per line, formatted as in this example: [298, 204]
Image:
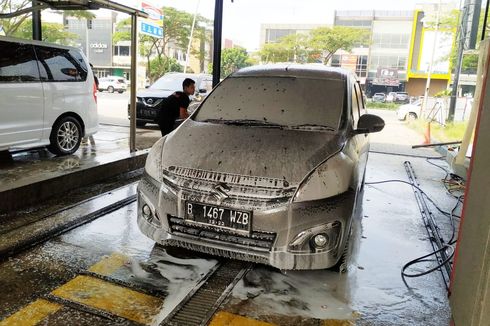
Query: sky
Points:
[242, 18]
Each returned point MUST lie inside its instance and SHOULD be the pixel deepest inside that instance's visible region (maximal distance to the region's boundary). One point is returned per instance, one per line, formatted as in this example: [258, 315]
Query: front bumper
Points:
[273, 230]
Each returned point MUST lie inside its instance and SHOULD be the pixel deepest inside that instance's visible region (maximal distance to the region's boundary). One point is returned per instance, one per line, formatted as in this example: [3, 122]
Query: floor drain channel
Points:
[199, 308]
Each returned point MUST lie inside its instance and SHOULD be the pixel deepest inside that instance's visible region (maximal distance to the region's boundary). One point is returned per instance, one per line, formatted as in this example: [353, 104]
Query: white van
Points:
[47, 96]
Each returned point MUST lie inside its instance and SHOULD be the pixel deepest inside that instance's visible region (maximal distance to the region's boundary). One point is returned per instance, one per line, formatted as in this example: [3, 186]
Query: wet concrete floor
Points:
[111, 143]
[73, 278]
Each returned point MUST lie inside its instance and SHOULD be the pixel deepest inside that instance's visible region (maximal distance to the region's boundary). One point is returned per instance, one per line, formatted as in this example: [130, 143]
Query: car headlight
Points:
[330, 178]
[153, 166]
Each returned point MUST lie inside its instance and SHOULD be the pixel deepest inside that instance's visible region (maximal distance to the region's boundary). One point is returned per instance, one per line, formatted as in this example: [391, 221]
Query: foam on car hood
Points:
[251, 151]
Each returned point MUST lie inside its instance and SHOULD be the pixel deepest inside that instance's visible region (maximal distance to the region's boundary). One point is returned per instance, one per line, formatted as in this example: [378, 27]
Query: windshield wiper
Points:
[245, 122]
[312, 126]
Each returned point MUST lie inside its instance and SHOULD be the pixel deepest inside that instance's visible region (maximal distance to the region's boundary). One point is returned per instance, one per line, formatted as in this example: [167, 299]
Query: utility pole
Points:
[461, 34]
[431, 62]
[36, 23]
[218, 30]
[190, 37]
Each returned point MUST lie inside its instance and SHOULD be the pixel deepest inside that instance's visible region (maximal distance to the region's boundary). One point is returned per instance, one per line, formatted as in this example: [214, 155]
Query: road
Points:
[113, 108]
[105, 272]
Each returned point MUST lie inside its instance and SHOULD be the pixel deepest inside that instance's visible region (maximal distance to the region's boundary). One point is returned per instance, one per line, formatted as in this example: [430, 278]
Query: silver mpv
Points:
[267, 169]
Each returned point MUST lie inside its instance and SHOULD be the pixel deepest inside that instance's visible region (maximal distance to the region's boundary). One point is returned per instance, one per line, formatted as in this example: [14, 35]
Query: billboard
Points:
[442, 53]
[386, 77]
[153, 25]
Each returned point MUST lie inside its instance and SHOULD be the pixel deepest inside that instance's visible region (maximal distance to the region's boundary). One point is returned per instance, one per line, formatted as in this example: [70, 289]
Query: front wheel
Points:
[110, 89]
[65, 137]
[411, 116]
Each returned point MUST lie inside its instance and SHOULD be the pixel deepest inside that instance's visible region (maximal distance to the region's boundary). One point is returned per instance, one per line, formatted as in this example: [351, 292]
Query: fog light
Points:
[146, 210]
[320, 240]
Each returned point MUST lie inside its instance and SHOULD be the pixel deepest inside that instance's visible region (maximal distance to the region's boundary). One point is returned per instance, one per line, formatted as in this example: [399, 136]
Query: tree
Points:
[328, 40]
[52, 32]
[176, 25]
[234, 59]
[11, 25]
[319, 45]
[160, 66]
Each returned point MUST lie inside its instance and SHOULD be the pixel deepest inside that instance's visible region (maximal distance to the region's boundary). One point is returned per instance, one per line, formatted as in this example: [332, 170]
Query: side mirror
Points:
[369, 123]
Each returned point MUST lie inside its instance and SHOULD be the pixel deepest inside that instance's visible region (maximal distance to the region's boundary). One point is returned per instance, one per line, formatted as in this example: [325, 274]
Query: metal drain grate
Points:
[199, 308]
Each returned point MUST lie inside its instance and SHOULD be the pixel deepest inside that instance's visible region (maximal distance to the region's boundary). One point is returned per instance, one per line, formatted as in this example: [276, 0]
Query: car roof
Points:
[319, 71]
[40, 43]
[188, 75]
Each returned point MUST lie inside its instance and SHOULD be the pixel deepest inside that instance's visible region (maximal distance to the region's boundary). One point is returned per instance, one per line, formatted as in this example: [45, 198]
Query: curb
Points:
[36, 192]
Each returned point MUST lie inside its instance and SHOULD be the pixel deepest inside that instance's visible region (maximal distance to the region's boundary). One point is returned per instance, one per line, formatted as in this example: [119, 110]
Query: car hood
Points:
[154, 93]
[251, 151]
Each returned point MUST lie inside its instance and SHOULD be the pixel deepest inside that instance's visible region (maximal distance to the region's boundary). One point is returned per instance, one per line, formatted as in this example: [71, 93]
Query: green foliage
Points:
[160, 66]
[450, 132]
[382, 106]
[233, 59]
[317, 46]
[52, 32]
[11, 25]
[443, 93]
[470, 63]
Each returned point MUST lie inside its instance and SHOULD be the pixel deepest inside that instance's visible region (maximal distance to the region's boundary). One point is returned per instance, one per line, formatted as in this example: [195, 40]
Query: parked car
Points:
[113, 83]
[148, 100]
[390, 97]
[267, 169]
[379, 97]
[409, 111]
[48, 96]
[402, 97]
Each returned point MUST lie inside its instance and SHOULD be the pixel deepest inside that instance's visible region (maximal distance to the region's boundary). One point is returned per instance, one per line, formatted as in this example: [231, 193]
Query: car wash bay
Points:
[107, 272]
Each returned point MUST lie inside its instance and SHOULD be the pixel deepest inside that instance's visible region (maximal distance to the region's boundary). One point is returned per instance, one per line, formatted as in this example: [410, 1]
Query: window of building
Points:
[121, 50]
[361, 66]
[335, 60]
[273, 35]
[18, 63]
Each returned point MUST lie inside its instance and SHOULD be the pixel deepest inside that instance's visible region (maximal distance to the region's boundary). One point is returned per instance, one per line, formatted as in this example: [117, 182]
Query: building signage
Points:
[151, 30]
[98, 46]
[152, 26]
[386, 77]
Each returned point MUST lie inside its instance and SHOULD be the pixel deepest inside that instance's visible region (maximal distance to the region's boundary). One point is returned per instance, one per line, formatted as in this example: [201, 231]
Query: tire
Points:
[65, 137]
[341, 265]
[110, 89]
[140, 124]
[120, 92]
[411, 116]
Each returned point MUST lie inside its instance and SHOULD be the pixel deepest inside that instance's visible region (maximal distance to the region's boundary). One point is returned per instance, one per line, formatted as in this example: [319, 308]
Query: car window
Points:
[286, 101]
[355, 105]
[121, 80]
[17, 63]
[169, 83]
[207, 84]
[362, 107]
[59, 65]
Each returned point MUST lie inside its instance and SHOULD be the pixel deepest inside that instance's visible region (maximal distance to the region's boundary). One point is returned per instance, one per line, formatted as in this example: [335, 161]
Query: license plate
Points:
[148, 113]
[219, 216]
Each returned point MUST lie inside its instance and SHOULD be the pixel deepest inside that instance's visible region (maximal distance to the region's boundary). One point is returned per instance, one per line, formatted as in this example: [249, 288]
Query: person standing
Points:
[175, 107]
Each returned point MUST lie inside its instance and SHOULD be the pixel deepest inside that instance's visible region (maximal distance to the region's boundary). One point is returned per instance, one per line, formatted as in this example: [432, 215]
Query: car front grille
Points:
[151, 101]
[250, 192]
[258, 240]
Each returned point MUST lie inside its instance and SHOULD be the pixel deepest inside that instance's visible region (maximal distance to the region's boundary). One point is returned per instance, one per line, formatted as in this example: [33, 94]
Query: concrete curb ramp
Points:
[49, 186]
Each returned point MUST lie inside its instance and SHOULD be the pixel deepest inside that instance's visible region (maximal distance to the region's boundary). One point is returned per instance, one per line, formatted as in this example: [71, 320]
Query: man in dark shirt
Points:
[175, 107]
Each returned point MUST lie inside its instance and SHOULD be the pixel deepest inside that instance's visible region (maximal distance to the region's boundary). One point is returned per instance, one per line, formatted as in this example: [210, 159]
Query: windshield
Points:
[169, 83]
[303, 103]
